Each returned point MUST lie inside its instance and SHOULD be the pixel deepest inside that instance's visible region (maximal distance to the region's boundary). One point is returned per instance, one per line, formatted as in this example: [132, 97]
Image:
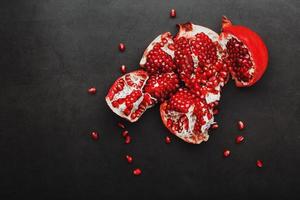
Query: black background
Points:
[52, 51]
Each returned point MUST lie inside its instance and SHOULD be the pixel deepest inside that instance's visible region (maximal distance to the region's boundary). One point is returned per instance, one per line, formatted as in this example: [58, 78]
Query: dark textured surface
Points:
[52, 51]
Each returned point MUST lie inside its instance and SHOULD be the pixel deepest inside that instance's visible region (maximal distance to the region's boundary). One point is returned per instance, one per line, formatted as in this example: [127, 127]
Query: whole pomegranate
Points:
[186, 74]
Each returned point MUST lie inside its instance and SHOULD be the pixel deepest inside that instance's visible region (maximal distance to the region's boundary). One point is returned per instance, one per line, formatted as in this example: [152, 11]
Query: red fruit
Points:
[158, 56]
[123, 69]
[247, 53]
[126, 97]
[187, 116]
[129, 158]
[137, 172]
[161, 86]
[168, 140]
[173, 13]
[226, 153]
[92, 90]
[124, 133]
[241, 125]
[127, 139]
[121, 125]
[239, 139]
[122, 47]
[95, 135]
[259, 163]
[199, 59]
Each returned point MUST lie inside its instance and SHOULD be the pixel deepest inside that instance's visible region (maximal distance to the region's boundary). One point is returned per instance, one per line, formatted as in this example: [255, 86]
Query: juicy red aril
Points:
[95, 135]
[168, 140]
[239, 139]
[240, 59]
[124, 133]
[259, 163]
[92, 90]
[216, 111]
[215, 126]
[241, 125]
[129, 158]
[173, 13]
[123, 69]
[226, 153]
[121, 125]
[122, 47]
[137, 171]
[127, 139]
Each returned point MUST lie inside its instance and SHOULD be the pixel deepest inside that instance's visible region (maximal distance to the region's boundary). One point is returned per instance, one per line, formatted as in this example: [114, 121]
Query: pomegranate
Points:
[187, 116]
[198, 57]
[247, 54]
[158, 56]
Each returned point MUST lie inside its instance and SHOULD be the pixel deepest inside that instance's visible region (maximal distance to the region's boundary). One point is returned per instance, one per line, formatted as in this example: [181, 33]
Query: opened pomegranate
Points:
[158, 56]
[187, 116]
[199, 60]
[247, 54]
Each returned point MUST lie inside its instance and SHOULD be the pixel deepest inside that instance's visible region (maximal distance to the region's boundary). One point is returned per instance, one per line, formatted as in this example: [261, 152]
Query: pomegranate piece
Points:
[168, 140]
[158, 56]
[226, 153]
[161, 86]
[247, 54]
[187, 116]
[259, 163]
[137, 172]
[239, 139]
[241, 125]
[173, 13]
[199, 59]
[122, 47]
[123, 69]
[92, 90]
[95, 135]
[129, 158]
[126, 97]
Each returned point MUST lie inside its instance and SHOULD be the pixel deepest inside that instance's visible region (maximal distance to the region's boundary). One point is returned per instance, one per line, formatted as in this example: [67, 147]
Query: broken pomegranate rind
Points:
[158, 56]
[126, 97]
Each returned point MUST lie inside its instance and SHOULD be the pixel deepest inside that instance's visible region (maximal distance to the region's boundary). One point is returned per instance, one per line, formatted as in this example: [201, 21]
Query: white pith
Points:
[165, 48]
[224, 38]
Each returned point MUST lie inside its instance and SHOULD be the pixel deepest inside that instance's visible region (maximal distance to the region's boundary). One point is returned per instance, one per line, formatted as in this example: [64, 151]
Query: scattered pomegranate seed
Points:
[95, 135]
[121, 125]
[241, 125]
[92, 90]
[259, 163]
[129, 158]
[226, 153]
[122, 47]
[123, 69]
[125, 133]
[215, 126]
[168, 140]
[127, 139]
[173, 13]
[137, 171]
[216, 111]
[239, 139]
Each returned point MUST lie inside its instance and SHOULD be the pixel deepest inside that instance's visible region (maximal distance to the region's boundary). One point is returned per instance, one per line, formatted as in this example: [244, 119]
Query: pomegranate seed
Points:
[122, 47]
[129, 158]
[137, 172]
[241, 125]
[124, 133]
[123, 69]
[95, 135]
[259, 163]
[127, 139]
[173, 13]
[121, 125]
[226, 153]
[92, 90]
[168, 140]
[216, 111]
[215, 126]
[239, 139]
